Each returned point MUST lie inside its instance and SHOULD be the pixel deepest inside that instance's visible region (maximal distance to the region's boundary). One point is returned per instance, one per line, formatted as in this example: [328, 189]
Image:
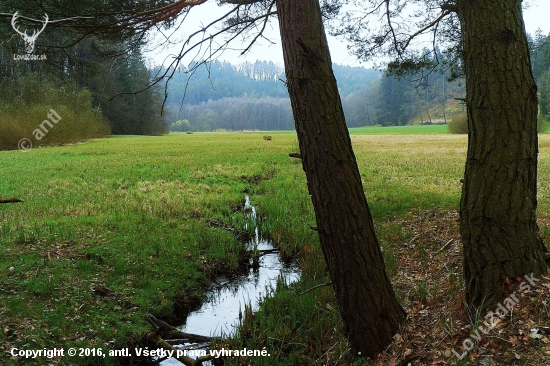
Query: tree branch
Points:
[314, 288]
[50, 22]
[261, 32]
[163, 327]
[388, 17]
[11, 200]
[428, 26]
[449, 6]
[172, 68]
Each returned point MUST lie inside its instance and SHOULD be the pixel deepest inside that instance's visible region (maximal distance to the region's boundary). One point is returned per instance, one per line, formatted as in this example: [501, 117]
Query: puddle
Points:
[220, 314]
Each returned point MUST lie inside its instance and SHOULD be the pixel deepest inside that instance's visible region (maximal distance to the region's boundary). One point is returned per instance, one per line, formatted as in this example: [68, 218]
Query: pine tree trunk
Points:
[499, 196]
[367, 303]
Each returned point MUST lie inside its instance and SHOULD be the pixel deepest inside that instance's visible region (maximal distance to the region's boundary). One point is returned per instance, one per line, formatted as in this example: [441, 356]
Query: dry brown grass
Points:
[429, 281]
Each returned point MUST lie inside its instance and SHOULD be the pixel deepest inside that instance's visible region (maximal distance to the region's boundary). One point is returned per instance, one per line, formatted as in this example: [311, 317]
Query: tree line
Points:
[247, 96]
[233, 114]
[252, 96]
[102, 69]
[231, 97]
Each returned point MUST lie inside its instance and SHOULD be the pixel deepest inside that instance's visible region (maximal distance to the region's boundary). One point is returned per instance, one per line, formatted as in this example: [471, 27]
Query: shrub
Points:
[10, 132]
[182, 125]
[27, 103]
[459, 123]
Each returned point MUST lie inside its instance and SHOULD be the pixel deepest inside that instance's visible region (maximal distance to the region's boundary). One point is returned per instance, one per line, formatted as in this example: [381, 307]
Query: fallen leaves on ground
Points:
[440, 328]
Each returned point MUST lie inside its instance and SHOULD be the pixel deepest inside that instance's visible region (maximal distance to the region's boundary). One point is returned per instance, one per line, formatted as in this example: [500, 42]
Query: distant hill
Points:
[253, 96]
[353, 79]
[260, 79]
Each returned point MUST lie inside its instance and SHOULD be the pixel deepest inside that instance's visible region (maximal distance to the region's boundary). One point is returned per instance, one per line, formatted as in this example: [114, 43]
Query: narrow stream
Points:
[220, 314]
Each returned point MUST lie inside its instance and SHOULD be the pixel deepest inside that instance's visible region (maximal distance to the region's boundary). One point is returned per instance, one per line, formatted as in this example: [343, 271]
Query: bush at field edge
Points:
[24, 112]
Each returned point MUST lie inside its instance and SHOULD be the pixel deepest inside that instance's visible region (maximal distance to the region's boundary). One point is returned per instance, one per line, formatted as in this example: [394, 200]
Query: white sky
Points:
[536, 15]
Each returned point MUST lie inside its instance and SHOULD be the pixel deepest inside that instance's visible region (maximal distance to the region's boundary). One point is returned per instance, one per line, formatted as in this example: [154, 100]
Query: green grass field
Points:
[401, 130]
[117, 228]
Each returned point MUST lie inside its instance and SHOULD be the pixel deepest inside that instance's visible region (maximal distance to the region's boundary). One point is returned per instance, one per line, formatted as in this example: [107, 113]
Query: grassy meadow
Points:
[400, 130]
[117, 228]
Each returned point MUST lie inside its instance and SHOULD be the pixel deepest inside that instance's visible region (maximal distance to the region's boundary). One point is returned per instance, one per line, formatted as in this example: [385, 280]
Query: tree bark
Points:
[367, 303]
[499, 197]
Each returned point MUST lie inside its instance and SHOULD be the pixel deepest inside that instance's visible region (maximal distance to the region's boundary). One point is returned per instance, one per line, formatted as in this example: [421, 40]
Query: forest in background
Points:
[92, 85]
[231, 97]
[96, 87]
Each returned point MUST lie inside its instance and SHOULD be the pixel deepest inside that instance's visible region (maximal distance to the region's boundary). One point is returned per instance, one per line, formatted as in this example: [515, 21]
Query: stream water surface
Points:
[225, 304]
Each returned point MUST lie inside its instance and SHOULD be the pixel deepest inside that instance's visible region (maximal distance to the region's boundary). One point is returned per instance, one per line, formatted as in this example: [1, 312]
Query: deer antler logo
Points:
[29, 40]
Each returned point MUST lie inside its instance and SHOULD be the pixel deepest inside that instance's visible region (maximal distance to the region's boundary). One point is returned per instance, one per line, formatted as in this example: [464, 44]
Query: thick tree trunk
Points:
[499, 196]
[368, 306]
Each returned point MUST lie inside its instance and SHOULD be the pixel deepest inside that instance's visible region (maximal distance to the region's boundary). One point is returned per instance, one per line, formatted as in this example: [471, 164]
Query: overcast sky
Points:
[536, 16]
